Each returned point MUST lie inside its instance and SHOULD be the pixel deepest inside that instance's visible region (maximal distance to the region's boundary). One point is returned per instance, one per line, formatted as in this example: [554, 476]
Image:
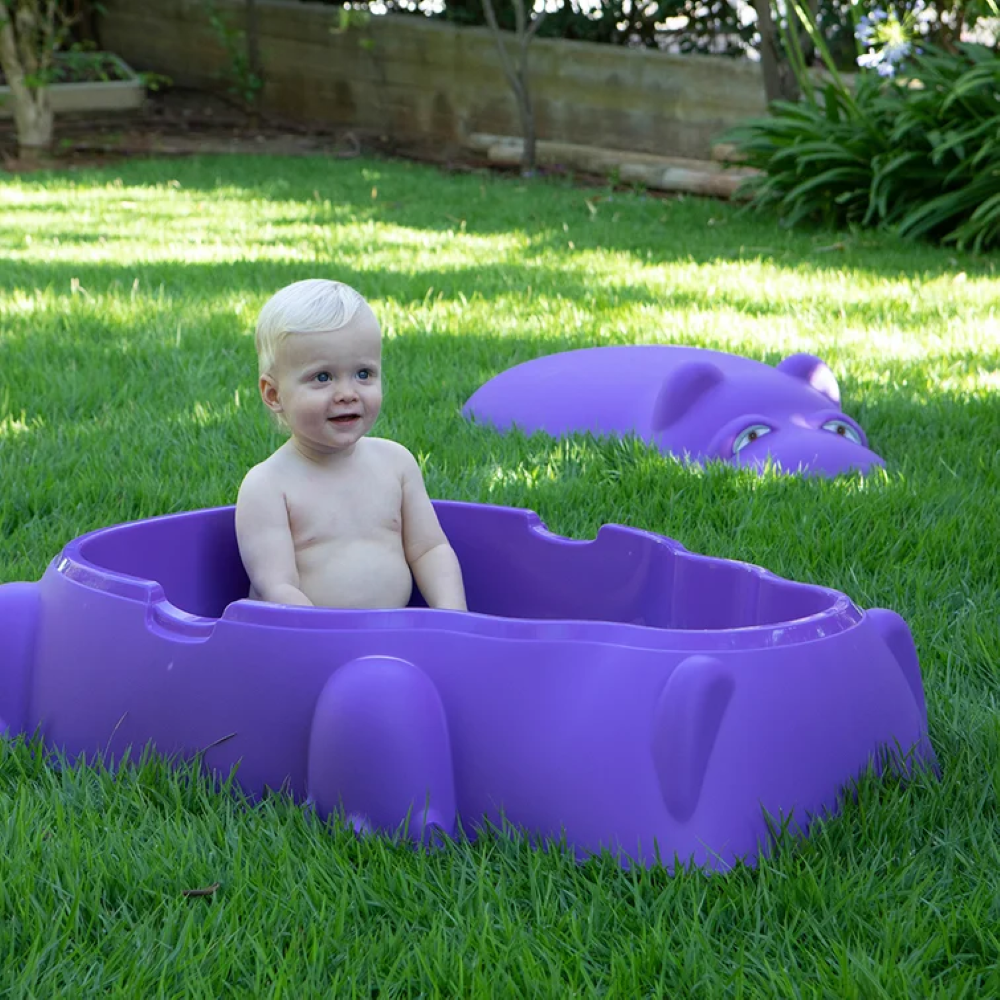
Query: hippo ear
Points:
[813, 370]
[681, 389]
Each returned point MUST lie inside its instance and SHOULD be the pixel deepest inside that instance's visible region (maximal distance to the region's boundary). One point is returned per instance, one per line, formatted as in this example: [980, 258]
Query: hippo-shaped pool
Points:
[686, 401]
[623, 692]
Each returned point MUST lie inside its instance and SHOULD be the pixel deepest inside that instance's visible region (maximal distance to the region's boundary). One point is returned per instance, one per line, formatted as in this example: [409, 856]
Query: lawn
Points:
[128, 297]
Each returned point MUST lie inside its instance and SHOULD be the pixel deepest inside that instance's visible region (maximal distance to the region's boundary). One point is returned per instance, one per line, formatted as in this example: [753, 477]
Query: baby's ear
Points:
[815, 372]
[269, 393]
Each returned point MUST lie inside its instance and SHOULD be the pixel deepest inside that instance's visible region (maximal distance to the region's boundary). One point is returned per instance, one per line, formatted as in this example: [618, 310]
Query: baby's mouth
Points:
[345, 418]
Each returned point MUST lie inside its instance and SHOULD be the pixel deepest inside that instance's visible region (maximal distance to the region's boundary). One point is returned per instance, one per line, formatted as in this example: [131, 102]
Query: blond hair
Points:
[315, 305]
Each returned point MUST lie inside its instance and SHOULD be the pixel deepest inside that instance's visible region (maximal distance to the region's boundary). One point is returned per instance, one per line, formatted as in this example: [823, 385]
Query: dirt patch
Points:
[182, 122]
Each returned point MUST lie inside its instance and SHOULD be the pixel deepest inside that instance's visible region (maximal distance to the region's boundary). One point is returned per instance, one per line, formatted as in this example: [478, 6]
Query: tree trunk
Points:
[528, 125]
[518, 77]
[780, 83]
[32, 107]
[34, 126]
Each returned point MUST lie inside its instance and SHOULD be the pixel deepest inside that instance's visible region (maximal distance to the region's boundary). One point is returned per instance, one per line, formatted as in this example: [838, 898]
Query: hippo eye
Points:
[842, 429]
[751, 434]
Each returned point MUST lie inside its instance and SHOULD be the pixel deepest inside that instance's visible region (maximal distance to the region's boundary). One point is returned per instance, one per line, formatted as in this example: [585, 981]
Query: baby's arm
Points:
[431, 559]
[265, 540]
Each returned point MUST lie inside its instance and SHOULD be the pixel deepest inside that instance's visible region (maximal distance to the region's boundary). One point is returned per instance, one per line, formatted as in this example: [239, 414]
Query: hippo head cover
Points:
[689, 402]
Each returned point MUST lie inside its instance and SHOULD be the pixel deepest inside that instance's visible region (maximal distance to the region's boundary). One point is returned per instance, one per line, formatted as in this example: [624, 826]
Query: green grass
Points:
[127, 389]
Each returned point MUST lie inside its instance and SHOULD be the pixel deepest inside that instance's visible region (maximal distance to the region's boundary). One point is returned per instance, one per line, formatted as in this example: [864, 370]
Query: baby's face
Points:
[328, 385]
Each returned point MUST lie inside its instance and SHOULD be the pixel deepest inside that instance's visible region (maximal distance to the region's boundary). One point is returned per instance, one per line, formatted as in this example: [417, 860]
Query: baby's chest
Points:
[345, 511]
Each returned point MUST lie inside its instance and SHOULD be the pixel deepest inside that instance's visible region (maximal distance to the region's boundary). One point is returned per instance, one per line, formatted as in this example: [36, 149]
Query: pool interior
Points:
[512, 568]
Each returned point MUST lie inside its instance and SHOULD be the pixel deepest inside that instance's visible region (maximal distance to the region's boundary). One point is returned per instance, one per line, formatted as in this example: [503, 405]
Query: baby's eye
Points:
[751, 434]
[365, 374]
[323, 377]
[843, 429]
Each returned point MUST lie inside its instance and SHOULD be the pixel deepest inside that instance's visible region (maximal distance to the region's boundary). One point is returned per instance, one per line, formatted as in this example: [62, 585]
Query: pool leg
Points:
[379, 749]
[686, 725]
[19, 603]
[896, 635]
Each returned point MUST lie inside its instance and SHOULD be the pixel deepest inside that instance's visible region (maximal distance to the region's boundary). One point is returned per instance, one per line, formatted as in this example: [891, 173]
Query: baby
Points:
[335, 518]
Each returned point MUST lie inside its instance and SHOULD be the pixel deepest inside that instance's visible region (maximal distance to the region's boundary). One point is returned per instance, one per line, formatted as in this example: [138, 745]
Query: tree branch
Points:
[518, 77]
[534, 26]
[508, 69]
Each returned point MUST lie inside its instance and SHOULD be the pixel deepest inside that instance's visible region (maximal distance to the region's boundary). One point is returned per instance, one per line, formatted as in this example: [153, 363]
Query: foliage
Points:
[941, 177]
[245, 82]
[716, 27]
[38, 30]
[79, 64]
[713, 25]
[816, 156]
[916, 148]
[934, 22]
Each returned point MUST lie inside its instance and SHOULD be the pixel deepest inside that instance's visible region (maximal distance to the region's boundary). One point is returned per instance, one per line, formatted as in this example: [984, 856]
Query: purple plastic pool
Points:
[623, 691]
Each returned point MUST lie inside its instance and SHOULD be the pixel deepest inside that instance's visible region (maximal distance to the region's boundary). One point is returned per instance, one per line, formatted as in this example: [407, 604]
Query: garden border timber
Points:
[658, 173]
[412, 79]
[126, 94]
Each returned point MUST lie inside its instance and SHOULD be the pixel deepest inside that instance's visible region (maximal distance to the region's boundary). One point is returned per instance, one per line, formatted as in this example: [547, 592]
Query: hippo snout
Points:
[817, 452]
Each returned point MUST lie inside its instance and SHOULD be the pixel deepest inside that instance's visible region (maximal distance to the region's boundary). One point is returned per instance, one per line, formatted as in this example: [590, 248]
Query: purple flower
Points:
[866, 30]
[896, 52]
[887, 40]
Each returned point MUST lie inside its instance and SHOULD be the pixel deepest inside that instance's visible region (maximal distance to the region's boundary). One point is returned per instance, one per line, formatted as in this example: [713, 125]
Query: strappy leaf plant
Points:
[912, 143]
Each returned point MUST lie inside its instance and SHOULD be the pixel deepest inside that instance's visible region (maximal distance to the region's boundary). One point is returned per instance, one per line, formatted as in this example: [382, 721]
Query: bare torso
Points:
[346, 526]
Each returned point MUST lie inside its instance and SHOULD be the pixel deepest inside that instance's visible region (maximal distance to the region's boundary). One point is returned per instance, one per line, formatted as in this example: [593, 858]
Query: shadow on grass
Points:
[410, 195]
[178, 283]
[106, 365]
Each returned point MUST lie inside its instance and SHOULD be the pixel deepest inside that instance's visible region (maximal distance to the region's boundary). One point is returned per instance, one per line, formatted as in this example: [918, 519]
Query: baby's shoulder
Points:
[391, 452]
[263, 477]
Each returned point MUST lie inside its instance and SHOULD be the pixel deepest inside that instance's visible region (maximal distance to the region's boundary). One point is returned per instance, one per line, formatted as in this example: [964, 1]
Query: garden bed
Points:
[87, 82]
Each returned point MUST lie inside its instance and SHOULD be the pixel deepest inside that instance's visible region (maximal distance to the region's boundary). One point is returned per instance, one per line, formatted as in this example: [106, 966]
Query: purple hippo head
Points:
[687, 401]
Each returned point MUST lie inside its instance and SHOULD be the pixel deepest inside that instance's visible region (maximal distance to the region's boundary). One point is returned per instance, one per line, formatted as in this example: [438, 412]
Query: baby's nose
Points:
[345, 389]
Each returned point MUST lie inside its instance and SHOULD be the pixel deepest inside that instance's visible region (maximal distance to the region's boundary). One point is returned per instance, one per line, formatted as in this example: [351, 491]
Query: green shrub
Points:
[919, 152]
[816, 155]
[942, 178]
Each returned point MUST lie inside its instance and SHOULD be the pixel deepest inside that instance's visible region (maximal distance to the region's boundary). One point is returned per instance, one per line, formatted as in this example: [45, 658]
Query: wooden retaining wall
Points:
[408, 78]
